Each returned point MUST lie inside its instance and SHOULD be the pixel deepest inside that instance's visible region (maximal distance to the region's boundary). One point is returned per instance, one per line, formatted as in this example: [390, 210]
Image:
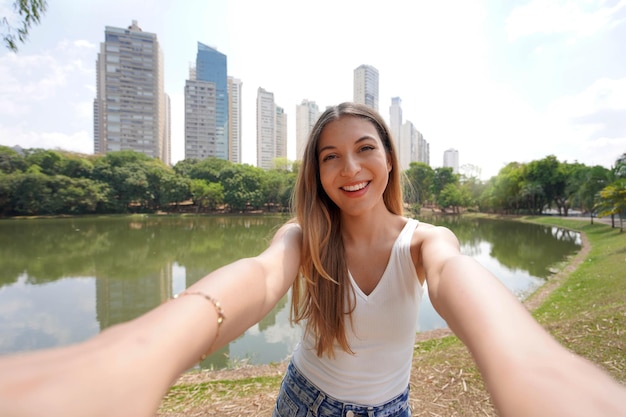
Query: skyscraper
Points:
[395, 118]
[307, 114]
[200, 118]
[265, 129]
[366, 86]
[211, 67]
[451, 160]
[423, 149]
[131, 107]
[234, 119]
[407, 145]
[281, 133]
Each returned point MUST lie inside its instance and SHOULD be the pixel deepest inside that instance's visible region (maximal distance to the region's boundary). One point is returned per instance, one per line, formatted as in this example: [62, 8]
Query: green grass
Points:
[587, 313]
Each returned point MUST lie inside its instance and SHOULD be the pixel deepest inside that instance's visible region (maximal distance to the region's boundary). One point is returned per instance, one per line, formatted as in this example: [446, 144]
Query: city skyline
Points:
[500, 83]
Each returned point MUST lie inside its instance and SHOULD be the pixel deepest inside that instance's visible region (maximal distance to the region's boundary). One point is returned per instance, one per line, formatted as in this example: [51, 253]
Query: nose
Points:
[350, 167]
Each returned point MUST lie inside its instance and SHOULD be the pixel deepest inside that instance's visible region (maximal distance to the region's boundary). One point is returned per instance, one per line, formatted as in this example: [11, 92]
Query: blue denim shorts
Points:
[299, 397]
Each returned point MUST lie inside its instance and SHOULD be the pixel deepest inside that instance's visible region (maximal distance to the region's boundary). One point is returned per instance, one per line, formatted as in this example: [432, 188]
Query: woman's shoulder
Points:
[430, 232]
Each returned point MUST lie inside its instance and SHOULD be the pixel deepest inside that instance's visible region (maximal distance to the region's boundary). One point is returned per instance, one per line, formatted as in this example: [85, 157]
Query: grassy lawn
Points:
[586, 312]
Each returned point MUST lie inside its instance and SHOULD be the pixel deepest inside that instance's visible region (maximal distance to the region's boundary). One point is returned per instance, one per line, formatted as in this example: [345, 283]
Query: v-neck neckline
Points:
[356, 286]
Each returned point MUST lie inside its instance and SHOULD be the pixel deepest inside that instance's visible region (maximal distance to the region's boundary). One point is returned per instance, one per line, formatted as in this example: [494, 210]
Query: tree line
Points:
[53, 182]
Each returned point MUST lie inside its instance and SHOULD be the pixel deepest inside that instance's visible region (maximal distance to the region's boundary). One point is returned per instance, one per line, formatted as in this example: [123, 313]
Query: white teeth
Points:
[355, 187]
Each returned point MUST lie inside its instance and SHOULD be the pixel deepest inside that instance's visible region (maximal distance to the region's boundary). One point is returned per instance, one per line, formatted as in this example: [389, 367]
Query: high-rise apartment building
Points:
[131, 107]
[423, 149]
[395, 118]
[206, 106]
[410, 143]
[407, 145]
[265, 129]
[234, 119]
[271, 130]
[366, 86]
[307, 114]
[451, 160]
[200, 123]
[281, 133]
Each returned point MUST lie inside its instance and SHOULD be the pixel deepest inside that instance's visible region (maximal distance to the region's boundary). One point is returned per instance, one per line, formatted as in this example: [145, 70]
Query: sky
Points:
[499, 81]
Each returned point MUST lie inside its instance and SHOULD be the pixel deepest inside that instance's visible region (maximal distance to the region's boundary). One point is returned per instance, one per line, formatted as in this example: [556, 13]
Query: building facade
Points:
[281, 133]
[307, 114]
[407, 145]
[395, 118]
[200, 119]
[423, 149]
[366, 86]
[207, 140]
[451, 160]
[131, 108]
[265, 129]
[234, 119]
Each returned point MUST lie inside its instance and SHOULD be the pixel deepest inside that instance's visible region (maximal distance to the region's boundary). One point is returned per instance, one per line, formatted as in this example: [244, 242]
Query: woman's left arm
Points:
[527, 372]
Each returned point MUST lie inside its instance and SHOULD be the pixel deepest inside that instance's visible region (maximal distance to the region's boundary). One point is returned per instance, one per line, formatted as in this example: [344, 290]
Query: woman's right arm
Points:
[126, 369]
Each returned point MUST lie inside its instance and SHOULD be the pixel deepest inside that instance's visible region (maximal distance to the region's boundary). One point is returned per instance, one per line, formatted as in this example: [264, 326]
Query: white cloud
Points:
[576, 18]
[602, 94]
[79, 141]
[593, 122]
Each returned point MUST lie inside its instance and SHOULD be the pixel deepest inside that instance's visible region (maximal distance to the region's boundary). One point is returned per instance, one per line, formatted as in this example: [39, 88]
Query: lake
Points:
[65, 280]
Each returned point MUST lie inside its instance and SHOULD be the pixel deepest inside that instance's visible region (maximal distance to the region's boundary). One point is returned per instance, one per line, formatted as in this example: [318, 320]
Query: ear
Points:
[389, 166]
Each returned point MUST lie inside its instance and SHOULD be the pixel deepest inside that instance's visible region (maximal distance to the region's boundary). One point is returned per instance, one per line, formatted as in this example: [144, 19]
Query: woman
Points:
[359, 289]
[360, 270]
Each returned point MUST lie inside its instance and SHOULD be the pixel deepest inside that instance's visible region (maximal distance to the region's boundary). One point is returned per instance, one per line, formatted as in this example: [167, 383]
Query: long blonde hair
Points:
[322, 294]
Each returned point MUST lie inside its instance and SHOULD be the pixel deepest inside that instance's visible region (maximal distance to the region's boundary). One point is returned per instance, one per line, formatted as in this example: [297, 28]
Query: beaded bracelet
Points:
[218, 310]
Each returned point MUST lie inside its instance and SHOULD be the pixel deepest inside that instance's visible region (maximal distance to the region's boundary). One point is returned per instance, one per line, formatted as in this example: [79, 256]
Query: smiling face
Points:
[354, 165]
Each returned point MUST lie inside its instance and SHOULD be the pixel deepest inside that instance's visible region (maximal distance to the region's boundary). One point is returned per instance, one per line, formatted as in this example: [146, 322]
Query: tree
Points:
[613, 201]
[15, 29]
[589, 181]
[442, 177]
[503, 191]
[420, 180]
[620, 167]
[546, 173]
[243, 186]
[11, 161]
[453, 196]
[206, 194]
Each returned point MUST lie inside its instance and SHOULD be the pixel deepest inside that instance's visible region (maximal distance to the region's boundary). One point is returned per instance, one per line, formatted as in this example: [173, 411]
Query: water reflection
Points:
[64, 280]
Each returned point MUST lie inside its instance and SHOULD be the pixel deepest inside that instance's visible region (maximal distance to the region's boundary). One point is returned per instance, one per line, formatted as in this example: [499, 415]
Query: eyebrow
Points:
[361, 139]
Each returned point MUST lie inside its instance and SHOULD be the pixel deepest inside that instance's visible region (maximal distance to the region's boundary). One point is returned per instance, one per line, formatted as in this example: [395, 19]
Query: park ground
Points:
[583, 306]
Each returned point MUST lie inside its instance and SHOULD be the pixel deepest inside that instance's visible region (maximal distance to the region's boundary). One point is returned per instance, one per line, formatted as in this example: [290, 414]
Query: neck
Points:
[368, 227]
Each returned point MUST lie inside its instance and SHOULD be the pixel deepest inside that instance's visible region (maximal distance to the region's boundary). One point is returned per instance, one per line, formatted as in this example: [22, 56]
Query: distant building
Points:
[281, 133]
[206, 106]
[395, 118]
[423, 149]
[265, 129]
[410, 143]
[200, 119]
[451, 160]
[131, 109]
[307, 114]
[366, 86]
[234, 119]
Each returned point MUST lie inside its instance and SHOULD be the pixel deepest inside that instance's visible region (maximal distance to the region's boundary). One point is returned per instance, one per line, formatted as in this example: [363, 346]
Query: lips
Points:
[355, 187]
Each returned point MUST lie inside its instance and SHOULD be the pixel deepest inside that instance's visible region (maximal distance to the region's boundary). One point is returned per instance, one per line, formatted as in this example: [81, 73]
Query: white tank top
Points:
[382, 336]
